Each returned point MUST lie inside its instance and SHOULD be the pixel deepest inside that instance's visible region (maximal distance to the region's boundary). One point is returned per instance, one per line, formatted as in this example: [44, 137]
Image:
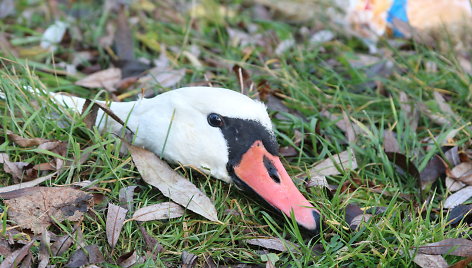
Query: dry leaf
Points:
[115, 219]
[44, 250]
[151, 242]
[430, 261]
[162, 211]
[188, 259]
[84, 256]
[434, 168]
[26, 184]
[157, 173]
[126, 197]
[107, 79]
[444, 106]
[244, 79]
[42, 206]
[272, 243]
[16, 169]
[462, 264]
[410, 110]
[459, 213]
[17, 256]
[390, 142]
[128, 259]
[355, 216]
[458, 197]
[328, 167]
[24, 142]
[462, 173]
[451, 246]
[453, 185]
[61, 245]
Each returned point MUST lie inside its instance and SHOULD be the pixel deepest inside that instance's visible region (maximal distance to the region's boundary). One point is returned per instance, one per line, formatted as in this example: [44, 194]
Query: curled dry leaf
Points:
[355, 216]
[128, 259]
[107, 79]
[14, 259]
[434, 168]
[272, 243]
[115, 219]
[42, 206]
[162, 211]
[16, 169]
[188, 259]
[61, 245]
[84, 256]
[451, 246]
[157, 173]
[25, 142]
[462, 173]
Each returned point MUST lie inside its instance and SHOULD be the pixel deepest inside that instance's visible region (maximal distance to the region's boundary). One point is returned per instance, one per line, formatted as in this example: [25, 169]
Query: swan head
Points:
[229, 136]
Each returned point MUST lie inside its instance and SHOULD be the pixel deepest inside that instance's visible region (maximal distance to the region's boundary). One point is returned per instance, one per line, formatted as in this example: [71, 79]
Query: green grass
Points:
[305, 74]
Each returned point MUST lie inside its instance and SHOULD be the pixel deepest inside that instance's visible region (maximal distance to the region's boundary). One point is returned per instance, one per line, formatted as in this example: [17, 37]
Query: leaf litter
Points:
[157, 173]
[39, 207]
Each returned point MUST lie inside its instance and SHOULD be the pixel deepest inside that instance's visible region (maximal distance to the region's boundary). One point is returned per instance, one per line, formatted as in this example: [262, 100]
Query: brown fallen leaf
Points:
[107, 79]
[188, 259]
[434, 168]
[462, 264]
[453, 185]
[43, 206]
[157, 173]
[115, 219]
[355, 216]
[25, 142]
[246, 85]
[162, 211]
[461, 173]
[91, 116]
[84, 256]
[61, 245]
[390, 142]
[402, 161]
[430, 261]
[151, 243]
[16, 169]
[128, 259]
[273, 243]
[16, 257]
[451, 246]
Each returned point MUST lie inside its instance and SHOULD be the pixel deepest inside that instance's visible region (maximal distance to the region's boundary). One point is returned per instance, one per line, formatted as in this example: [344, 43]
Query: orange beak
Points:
[265, 174]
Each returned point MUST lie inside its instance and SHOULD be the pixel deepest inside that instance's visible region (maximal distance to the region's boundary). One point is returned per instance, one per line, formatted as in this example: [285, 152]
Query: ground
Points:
[324, 98]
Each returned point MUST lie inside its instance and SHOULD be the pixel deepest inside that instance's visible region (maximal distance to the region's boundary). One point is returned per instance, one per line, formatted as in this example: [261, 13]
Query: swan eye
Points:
[215, 120]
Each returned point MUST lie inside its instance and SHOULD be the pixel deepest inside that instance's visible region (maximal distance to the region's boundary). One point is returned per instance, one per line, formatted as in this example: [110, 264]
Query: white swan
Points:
[218, 130]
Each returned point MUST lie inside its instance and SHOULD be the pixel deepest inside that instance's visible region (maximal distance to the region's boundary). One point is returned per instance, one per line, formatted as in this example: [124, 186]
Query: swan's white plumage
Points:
[191, 140]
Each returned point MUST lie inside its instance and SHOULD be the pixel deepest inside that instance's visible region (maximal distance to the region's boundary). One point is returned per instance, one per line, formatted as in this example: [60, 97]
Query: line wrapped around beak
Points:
[266, 176]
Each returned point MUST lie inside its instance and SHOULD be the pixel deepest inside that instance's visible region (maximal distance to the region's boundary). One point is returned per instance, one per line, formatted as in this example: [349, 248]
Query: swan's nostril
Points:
[271, 170]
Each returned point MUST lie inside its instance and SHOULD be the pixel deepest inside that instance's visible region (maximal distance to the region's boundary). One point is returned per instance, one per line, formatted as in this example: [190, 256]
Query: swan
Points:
[220, 131]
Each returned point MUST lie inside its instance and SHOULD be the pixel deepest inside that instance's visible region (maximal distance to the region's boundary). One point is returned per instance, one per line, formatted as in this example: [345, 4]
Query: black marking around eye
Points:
[240, 135]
